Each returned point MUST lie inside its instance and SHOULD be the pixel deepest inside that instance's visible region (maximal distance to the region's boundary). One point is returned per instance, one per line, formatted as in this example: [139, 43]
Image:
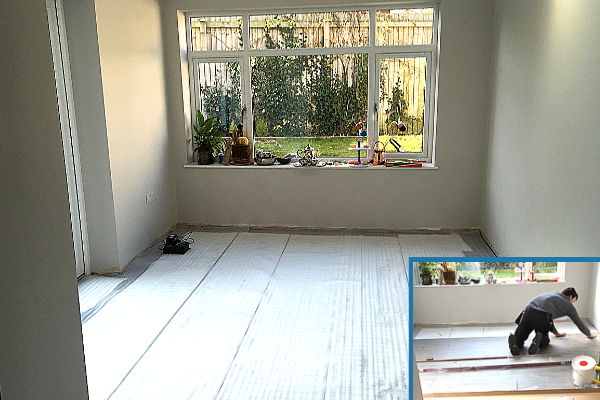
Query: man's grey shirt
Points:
[558, 305]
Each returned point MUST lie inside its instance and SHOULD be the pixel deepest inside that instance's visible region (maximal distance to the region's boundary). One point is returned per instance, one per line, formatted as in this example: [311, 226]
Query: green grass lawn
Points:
[502, 273]
[332, 146]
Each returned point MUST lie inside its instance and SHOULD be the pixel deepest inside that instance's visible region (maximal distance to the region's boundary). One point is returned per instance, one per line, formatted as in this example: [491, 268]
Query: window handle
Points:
[375, 107]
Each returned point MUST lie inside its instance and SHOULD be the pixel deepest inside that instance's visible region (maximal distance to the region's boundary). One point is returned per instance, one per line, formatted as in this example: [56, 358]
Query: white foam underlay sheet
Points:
[122, 331]
[259, 316]
[444, 245]
[95, 288]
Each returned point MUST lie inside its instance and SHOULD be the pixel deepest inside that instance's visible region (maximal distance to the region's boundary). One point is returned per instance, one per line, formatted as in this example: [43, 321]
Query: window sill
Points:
[481, 284]
[426, 166]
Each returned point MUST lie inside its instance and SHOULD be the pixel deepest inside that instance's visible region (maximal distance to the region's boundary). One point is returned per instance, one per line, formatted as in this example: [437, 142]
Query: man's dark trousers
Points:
[533, 320]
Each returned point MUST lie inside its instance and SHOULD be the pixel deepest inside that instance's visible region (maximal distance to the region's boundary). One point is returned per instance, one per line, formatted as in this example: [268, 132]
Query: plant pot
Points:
[426, 279]
[241, 154]
[205, 158]
[450, 277]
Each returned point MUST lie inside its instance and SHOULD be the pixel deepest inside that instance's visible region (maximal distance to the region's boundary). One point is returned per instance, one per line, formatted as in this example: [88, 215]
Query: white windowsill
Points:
[491, 284]
[426, 166]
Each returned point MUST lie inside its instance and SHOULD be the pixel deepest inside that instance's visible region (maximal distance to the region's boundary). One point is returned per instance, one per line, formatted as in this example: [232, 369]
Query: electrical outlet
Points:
[149, 197]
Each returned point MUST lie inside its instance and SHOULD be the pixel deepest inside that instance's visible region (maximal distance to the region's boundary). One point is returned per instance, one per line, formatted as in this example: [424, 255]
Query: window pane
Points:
[546, 267]
[402, 99]
[509, 270]
[216, 33]
[404, 27]
[220, 93]
[328, 29]
[302, 99]
[504, 272]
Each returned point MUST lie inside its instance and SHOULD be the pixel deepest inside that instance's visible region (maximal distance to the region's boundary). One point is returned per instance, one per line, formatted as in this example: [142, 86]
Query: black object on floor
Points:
[175, 245]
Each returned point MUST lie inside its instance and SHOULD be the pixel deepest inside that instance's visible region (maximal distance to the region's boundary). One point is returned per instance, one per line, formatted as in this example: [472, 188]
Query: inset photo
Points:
[505, 326]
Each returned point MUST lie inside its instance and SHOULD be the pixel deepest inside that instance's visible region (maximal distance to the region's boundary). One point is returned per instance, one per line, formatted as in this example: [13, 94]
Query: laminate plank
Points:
[497, 381]
[434, 333]
[492, 363]
[498, 331]
[484, 364]
[466, 332]
[453, 349]
[464, 382]
[580, 394]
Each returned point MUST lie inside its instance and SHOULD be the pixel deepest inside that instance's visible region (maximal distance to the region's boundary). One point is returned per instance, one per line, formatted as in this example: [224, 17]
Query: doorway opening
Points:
[64, 92]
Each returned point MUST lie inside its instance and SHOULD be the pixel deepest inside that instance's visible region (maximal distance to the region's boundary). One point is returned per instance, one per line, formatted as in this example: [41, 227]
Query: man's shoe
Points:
[512, 345]
[535, 343]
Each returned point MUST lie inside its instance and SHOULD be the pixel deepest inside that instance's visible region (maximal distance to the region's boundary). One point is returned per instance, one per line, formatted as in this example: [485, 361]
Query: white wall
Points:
[448, 197]
[542, 185]
[41, 346]
[119, 96]
[131, 59]
[90, 122]
[499, 303]
[595, 296]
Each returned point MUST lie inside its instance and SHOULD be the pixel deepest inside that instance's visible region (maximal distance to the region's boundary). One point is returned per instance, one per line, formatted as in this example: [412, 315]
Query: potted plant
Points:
[427, 272]
[449, 273]
[207, 139]
[241, 150]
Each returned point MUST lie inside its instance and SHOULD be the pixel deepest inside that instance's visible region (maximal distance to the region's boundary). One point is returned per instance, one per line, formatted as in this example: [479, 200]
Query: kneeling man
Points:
[538, 316]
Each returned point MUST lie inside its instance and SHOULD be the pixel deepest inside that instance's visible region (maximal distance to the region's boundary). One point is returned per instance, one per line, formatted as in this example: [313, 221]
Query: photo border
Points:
[412, 260]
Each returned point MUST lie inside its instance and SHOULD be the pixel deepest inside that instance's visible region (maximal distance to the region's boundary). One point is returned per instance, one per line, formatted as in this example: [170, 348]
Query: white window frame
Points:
[195, 74]
[560, 271]
[374, 53]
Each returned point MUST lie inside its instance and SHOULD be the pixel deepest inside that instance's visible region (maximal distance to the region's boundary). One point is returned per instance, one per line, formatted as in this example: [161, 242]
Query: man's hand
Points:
[558, 334]
[591, 336]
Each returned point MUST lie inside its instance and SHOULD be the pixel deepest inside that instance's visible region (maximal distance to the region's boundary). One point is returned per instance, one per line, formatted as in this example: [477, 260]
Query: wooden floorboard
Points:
[579, 394]
[484, 365]
[461, 348]
[498, 381]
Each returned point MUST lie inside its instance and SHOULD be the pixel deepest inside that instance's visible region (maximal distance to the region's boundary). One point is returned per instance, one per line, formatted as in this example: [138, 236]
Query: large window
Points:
[311, 77]
[503, 272]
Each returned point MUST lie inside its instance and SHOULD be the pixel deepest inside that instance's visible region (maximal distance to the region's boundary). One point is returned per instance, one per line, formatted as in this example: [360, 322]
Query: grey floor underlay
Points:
[260, 313]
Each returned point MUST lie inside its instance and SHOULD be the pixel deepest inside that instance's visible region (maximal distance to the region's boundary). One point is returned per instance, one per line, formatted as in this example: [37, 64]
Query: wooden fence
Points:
[345, 29]
[330, 30]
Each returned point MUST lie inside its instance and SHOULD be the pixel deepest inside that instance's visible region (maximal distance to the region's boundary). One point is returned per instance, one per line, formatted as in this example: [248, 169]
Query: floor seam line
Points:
[172, 317]
[252, 319]
[363, 390]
